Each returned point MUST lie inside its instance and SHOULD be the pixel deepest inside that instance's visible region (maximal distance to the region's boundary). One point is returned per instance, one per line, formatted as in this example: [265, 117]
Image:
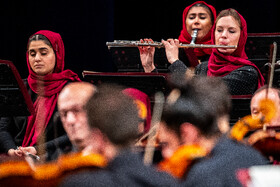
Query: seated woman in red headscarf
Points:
[45, 62]
[242, 76]
[198, 16]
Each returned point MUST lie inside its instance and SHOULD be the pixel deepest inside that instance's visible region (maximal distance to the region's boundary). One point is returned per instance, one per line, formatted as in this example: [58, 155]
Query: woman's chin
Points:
[226, 51]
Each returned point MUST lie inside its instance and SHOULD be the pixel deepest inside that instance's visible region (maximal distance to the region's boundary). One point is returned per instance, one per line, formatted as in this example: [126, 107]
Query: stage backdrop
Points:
[86, 25]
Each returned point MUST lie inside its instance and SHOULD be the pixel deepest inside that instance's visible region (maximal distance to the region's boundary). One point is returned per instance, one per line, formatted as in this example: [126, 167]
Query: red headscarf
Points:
[144, 99]
[47, 87]
[186, 38]
[220, 65]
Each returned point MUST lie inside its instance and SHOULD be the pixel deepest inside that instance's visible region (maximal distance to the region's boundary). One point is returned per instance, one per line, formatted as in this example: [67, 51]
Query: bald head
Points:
[79, 91]
[272, 94]
[71, 106]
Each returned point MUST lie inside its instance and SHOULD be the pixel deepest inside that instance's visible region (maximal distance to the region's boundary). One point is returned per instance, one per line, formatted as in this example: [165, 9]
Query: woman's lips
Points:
[223, 43]
[38, 66]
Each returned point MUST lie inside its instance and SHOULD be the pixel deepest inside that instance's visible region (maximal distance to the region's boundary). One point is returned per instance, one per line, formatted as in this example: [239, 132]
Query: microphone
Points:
[194, 35]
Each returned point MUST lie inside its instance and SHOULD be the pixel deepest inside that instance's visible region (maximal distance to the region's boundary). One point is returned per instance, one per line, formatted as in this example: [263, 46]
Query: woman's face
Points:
[198, 18]
[227, 32]
[41, 58]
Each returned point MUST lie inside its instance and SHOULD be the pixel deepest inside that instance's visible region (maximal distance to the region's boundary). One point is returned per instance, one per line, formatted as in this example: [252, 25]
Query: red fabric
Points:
[186, 38]
[243, 177]
[47, 87]
[220, 65]
[139, 95]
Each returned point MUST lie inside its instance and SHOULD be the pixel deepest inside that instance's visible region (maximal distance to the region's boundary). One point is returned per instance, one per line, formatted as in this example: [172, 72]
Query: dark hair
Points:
[229, 12]
[205, 7]
[38, 37]
[114, 113]
[202, 102]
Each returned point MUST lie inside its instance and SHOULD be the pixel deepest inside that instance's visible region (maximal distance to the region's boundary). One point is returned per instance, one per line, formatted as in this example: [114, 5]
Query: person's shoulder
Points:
[90, 178]
[250, 69]
[244, 153]
[226, 158]
[203, 64]
[202, 68]
[233, 154]
[135, 172]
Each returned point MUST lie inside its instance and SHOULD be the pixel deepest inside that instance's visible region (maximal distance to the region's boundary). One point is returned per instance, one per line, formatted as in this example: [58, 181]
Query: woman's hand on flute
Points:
[171, 49]
[147, 54]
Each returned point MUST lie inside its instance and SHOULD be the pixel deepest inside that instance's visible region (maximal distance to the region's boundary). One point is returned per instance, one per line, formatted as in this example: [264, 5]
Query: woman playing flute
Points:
[199, 17]
[242, 76]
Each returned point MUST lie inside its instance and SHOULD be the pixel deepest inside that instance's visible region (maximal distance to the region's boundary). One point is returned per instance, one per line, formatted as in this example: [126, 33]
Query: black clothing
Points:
[242, 81]
[219, 168]
[12, 131]
[127, 169]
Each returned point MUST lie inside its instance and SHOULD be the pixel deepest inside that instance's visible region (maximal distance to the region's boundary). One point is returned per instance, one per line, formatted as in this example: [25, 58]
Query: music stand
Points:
[149, 83]
[14, 98]
[127, 59]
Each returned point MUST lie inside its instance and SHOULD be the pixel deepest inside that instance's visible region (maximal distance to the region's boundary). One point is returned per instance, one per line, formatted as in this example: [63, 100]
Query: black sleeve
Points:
[243, 81]
[54, 148]
[6, 139]
[178, 67]
[155, 70]
[59, 142]
[202, 68]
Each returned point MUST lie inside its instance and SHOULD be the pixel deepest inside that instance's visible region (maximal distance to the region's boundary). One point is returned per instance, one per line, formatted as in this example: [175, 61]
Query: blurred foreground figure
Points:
[193, 124]
[115, 116]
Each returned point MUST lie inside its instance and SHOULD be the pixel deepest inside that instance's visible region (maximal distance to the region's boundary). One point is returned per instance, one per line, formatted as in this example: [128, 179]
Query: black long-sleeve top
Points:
[242, 81]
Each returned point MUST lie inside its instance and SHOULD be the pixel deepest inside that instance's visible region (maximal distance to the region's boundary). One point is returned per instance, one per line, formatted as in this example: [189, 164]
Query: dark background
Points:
[86, 25]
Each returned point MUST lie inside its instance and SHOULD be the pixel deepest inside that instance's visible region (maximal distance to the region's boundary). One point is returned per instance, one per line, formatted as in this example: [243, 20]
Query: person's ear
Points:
[189, 133]
[98, 138]
[223, 124]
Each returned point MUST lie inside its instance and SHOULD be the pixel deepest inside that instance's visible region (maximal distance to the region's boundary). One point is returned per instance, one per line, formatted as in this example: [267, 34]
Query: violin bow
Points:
[273, 49]
[242, 125]
[157, 111]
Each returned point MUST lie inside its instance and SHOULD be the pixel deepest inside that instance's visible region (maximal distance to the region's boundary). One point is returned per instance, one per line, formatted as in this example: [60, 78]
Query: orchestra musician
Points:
[45, 62]
[85, 152]
[260, 138]
[195, 116]
[71, 106]
[269, 93]
[115, 116]
[198, 16]
[242, 76]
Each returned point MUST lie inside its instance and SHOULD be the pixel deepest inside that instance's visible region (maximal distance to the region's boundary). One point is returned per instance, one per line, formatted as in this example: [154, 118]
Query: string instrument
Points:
[267, 140]
[247, 123]
[21, 173]
[264, 139]
[15, 172]
[53, 173]
[182, 159]
[179, 163]
[152, 134]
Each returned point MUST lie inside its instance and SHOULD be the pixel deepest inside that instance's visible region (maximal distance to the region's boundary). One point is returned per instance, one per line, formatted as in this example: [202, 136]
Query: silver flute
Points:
[194, 35]
[129, 43]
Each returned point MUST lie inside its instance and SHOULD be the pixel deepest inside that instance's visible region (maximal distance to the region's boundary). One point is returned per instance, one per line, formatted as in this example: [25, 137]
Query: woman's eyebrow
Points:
[40, 49]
